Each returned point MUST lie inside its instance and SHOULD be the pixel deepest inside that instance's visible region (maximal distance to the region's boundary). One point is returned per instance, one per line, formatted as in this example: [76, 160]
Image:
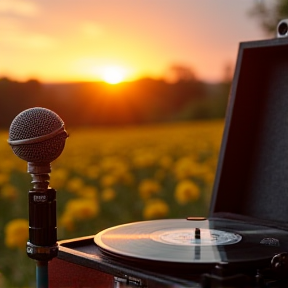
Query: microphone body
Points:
[42, 244]
[42, 229]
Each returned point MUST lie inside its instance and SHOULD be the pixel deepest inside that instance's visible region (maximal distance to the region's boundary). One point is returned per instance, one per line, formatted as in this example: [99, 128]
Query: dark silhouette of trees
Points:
[97, 103]
[16, 96]
[270, 16]
[181, 73]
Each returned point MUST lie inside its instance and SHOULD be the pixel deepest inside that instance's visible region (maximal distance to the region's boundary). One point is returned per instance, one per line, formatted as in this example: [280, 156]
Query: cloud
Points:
[29, 41]
[14, 36]
[19, 7]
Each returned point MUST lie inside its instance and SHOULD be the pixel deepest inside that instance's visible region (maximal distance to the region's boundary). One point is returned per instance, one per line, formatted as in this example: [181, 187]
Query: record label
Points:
[189, 237]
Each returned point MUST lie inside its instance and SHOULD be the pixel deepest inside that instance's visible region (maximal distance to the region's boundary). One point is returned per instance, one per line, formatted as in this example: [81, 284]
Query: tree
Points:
[269, 15]
[181, 73]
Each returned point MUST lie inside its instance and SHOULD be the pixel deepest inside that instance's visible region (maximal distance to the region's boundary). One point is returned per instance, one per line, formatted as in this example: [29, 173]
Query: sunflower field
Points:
[109, 176]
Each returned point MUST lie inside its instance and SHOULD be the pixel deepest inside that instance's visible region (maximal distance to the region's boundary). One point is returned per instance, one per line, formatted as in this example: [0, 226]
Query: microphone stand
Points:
[42, 245]
[42, 274]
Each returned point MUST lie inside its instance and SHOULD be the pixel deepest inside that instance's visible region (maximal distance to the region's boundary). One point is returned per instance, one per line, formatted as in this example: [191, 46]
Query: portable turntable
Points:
[244, 241]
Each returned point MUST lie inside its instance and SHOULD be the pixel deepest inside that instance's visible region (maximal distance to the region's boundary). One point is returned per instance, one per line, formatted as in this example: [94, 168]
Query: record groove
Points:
[140, 240]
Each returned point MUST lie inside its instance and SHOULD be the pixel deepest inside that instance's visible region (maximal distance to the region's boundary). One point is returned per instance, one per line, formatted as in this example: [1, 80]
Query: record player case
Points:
[251, 182]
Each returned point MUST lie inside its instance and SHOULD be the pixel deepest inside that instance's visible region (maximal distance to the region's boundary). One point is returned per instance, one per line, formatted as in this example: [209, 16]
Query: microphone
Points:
[37, 135]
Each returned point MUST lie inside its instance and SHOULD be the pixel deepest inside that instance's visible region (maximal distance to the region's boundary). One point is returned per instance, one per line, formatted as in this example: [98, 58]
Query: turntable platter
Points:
[184, 241]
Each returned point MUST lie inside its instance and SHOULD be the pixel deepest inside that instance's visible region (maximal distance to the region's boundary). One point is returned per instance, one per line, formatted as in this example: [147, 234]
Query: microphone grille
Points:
[33, 123]
[37, 135]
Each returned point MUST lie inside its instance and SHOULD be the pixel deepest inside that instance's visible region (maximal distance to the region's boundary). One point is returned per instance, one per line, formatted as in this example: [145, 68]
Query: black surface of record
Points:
[197, 242]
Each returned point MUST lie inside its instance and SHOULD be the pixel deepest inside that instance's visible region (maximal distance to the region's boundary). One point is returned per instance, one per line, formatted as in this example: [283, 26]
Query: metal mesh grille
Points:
[37, 122]
[34, 122]
[42, 152]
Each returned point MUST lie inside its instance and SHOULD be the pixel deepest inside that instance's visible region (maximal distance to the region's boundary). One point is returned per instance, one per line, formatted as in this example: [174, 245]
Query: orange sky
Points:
[71, 40]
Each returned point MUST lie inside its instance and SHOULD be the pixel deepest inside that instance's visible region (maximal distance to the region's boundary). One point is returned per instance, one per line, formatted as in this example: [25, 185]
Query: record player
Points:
[244, 241]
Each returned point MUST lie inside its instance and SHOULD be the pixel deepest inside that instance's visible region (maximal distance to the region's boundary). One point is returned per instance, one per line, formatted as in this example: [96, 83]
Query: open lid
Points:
[252, 173]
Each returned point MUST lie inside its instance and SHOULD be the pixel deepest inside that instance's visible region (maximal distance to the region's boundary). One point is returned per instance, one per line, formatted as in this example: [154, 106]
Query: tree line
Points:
[97, 103]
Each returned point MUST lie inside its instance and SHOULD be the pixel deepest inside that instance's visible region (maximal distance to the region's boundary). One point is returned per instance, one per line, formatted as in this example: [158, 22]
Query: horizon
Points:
[100, 81]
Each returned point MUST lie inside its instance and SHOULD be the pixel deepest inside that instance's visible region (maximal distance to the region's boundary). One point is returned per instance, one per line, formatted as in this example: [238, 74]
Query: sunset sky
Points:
[76, 40]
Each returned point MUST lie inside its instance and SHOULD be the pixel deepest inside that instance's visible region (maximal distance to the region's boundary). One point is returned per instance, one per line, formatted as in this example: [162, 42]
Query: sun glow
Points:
[113, 74]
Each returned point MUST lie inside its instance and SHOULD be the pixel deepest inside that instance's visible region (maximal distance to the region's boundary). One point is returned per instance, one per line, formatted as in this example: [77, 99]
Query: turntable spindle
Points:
[197, 233]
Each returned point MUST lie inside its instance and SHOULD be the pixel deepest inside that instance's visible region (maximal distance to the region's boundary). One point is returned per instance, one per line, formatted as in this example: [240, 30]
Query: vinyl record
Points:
[197, 242]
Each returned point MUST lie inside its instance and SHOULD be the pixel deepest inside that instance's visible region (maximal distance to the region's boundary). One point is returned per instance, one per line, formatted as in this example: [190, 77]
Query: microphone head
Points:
[37, 135]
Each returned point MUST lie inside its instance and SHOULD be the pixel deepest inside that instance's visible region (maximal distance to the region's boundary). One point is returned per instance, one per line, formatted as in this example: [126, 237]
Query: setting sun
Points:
[113, 74]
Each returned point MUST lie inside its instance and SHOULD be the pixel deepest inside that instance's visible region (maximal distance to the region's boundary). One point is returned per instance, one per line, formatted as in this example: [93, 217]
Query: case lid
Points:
[252, 174]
